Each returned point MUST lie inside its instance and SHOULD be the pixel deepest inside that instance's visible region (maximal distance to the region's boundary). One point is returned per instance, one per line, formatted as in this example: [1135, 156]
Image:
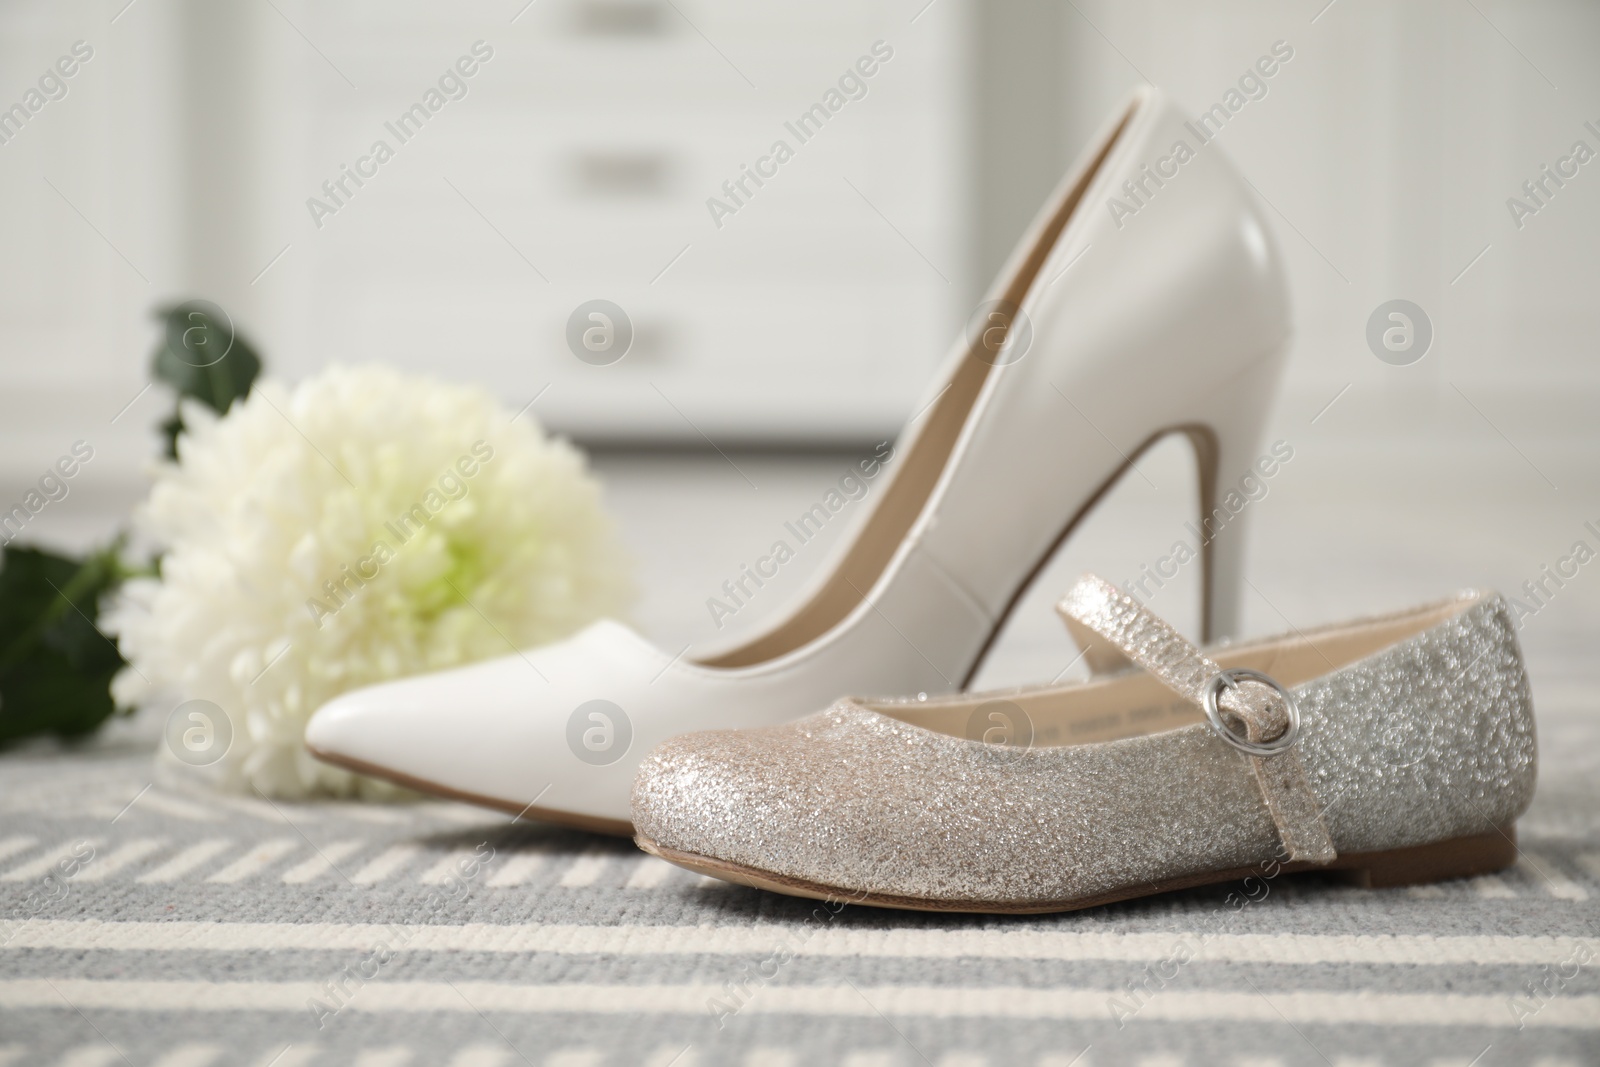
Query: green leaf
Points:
[202, 355]
[55, 666]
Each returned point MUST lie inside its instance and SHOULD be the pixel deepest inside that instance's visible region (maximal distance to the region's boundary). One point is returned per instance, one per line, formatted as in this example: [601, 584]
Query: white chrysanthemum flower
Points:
[366, 525]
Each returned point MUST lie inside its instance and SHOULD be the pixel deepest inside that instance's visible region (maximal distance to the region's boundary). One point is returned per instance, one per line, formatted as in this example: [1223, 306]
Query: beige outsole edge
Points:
[572, 820]
[1456, 858]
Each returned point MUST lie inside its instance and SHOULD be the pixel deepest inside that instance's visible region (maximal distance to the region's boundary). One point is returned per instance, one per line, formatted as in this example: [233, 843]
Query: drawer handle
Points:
[623, 173]
[622, 18]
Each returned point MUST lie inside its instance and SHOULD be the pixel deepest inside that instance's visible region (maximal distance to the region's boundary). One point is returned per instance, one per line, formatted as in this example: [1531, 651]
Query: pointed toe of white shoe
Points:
[539, 734]
[557, 733]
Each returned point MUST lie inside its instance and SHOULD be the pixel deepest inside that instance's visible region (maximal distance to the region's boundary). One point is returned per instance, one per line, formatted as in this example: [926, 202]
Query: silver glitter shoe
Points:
[1394, 750]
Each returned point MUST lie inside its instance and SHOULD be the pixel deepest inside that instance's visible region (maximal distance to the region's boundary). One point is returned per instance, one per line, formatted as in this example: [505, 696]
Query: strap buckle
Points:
[1230, 678]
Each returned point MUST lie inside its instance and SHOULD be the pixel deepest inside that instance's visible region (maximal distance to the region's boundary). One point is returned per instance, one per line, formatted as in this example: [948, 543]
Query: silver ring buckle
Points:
[1231, 677]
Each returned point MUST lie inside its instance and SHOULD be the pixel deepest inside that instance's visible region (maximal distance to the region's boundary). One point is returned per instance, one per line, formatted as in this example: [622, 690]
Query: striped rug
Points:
[147, 925]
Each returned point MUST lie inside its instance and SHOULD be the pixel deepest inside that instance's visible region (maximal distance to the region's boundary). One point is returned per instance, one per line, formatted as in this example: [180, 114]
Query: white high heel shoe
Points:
[1174, 320]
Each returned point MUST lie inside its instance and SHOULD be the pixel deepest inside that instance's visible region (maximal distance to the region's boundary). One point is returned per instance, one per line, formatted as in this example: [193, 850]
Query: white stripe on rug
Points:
[43, 864]
[649, 873]
[186, 861]
[167, 804]
[482, 1055]
[517, 869]
[324, 859]
[1554, 879]
[806, 940]
[994, 1002]
[253, 862]
[195, 1055]
[585, 870]
[385, 864]
[449, 867]
[290, 1056]
[129, 854]
[101, 1054]
[12, 845]
[575, 1057]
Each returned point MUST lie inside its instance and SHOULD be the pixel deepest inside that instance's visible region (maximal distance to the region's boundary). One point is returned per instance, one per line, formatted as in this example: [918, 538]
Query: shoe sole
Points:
[594, 824]
[1461, 857]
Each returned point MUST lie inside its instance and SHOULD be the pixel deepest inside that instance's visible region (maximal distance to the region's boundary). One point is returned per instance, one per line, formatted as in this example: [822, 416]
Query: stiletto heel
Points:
[1232, 457]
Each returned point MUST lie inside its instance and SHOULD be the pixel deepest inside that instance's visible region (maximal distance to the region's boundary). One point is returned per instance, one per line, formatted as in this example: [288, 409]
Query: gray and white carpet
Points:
[153, 927]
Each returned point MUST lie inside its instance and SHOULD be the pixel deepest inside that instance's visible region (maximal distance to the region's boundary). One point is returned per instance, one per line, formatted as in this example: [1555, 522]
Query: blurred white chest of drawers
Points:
[772, 193]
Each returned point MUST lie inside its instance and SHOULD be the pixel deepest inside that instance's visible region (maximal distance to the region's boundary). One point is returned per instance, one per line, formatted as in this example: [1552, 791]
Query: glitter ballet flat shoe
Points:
[1106, 332]
[1393, 750]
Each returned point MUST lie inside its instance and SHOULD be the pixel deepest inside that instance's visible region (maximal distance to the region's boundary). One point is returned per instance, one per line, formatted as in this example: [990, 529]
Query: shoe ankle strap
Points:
[1265, 709]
